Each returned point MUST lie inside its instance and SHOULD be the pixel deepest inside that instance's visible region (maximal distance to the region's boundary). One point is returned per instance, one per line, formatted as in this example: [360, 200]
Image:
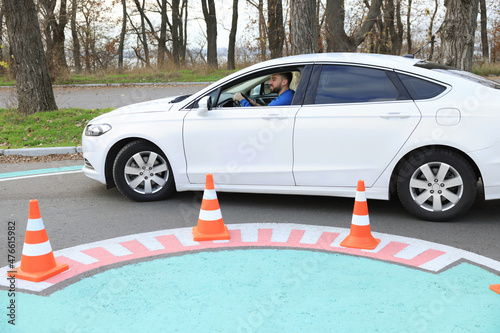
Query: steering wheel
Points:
[246, 97]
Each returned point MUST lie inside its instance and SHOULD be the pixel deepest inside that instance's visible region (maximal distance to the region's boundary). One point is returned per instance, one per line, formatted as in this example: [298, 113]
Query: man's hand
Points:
[239, 97]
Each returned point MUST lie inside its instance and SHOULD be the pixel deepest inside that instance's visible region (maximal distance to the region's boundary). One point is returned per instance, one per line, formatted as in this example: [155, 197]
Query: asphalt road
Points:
[78, 210]
[95, 97]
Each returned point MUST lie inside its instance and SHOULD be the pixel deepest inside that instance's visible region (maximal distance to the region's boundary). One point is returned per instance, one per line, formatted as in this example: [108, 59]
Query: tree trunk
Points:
[48, 9]
[231, 61]
[211, 21]
[162, 41]
[484, 31]
[304, 27]
[123, 32]
[144, 39]
[74, 35]
[2, 12]
[259, 4]
[457, 33]
[54, 36]
[183, 18]
[321, 21]
[60, 38]
[337, 40]
[276, 30]
[34, 89]
[431, 30]
[177, 36]
[408, 27]
[398, 39]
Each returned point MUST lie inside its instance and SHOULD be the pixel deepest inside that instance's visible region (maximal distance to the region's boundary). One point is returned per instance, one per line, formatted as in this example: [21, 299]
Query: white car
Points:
[428, 133]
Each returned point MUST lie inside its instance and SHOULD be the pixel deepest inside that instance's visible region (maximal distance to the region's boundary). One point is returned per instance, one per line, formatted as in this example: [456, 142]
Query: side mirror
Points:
[267, 88]
[204, 105]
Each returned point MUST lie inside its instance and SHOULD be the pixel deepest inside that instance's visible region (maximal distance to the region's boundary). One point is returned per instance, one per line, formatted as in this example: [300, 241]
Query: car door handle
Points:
[394, 115]
[274, 116]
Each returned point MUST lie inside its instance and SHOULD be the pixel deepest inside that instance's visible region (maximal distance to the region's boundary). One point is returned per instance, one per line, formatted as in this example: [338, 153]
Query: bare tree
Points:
[123, 32]
[74, 35]
[276, 30]
[178, 29]
[457, 33]
[303, 32]
[484, 31]
[408, 27]
[231, 63]
[259, 4]
[208, 7]
[34, 89]
[321, 21]
[142, 36]
[162, 40]
[2, 15]
[54, 35]
[337, 39]
[390, 37]
[430, 33]
[398, 41]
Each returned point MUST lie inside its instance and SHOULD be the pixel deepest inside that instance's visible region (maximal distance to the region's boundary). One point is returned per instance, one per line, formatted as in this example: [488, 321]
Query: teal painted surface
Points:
[266, 290]
[39, 171]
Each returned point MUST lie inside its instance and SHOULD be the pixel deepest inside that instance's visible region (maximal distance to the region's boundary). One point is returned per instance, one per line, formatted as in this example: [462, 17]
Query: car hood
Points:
[157, 105]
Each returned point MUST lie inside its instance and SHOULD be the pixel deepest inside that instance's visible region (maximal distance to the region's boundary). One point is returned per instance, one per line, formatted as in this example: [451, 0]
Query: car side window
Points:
[352, 84]
[420, 88]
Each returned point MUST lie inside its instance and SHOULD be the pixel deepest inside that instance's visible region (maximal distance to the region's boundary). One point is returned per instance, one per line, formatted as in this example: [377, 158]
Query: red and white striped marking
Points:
[414, 253]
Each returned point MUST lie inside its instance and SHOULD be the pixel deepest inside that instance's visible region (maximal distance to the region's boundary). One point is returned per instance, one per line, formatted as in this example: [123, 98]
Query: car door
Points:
[354, 121]
[240, 145]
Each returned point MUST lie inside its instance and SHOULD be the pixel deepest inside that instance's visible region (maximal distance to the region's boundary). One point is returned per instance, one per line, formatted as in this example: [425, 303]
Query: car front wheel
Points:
[437, 185]
[142, 172]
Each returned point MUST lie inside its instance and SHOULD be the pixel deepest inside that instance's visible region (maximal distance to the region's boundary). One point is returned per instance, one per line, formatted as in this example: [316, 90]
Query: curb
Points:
[41, 151]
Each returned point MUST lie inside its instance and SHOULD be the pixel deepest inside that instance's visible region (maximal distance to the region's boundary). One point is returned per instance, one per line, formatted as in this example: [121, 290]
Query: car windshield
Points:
[456, 72]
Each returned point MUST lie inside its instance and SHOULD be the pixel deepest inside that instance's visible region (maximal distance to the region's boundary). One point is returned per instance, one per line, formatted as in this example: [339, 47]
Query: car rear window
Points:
[456, 72]
[352, 84]
[420, 88]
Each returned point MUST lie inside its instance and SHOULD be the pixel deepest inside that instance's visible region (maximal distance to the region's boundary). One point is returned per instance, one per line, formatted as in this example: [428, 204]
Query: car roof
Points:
[370, 59]
[382, 60]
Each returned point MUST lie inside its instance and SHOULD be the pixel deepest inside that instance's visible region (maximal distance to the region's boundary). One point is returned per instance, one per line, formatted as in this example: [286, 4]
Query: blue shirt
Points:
[284, 99]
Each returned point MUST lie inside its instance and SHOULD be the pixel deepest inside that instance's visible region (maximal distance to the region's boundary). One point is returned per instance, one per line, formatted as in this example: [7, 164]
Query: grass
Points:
[143, 76]
[64, 127]
[487, 69]
[61, 128]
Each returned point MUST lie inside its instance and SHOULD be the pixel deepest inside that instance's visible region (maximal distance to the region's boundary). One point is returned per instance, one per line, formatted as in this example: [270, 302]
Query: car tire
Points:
[140, 179]
[436, 185]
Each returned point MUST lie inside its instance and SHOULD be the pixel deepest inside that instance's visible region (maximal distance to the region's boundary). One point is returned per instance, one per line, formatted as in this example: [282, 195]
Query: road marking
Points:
[409, 252]
[40, 172]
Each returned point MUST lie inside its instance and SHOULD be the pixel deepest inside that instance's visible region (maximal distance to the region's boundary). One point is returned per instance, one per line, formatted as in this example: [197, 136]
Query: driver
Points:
[279, 83]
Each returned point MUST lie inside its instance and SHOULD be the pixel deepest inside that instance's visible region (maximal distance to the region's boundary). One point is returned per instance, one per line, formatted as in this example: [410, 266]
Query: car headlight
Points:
[96, 129]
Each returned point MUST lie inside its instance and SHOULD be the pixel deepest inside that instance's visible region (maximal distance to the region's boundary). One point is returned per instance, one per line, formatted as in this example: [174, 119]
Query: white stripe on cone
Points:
[35, 225]
[360, 196]
[33, 250]
[360, 220]
[209, 195]
[210, 215]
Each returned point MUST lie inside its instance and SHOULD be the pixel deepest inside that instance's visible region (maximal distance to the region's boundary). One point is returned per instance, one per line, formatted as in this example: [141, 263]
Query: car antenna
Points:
[420, 49]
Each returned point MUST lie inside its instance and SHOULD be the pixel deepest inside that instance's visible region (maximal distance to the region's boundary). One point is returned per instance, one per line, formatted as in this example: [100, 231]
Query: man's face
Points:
[276, 83]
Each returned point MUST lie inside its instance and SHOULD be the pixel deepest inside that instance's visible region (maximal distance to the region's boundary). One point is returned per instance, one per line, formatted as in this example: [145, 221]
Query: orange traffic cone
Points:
[360, 236]
[37, 261]
[210, 223]
[495, 288]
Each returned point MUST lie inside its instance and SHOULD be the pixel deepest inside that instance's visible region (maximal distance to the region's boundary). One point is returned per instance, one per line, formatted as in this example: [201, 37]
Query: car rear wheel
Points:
[436, 185]
[142, 172]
